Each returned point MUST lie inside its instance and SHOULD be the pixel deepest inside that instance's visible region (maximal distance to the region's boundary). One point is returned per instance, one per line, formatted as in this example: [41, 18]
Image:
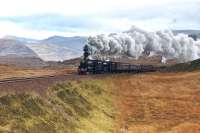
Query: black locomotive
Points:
[88, 66]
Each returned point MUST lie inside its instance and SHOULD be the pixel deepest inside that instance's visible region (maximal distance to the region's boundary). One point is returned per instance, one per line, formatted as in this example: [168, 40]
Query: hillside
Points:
[54, 52]
[158, 102]
[71, 107]
[55, 48]
[153, 102]
[13, 52]
[12, 48]
[188, 32]
[190, 66]
[20, 39]
[76, 42]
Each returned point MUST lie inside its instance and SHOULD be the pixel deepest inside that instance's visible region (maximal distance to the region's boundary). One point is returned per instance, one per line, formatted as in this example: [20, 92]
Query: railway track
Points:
[38, 84]
[24, 79]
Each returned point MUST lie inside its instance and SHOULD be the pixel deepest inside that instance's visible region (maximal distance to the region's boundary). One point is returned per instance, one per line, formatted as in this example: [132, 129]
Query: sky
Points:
[40, 19]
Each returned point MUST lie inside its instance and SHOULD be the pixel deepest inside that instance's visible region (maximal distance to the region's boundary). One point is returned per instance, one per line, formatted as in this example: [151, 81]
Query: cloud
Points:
[52, 22]
[71, 7]
[10, 28]
[88, 17]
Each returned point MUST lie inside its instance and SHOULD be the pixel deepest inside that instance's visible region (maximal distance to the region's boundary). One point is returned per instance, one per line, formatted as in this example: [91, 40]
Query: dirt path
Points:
[158, 103]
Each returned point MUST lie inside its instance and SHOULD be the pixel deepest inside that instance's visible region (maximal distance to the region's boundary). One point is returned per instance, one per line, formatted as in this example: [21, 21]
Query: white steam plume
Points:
[136, 42]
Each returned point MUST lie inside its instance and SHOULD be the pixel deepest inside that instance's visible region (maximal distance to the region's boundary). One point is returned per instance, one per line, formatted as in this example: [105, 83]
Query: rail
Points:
[13, 80]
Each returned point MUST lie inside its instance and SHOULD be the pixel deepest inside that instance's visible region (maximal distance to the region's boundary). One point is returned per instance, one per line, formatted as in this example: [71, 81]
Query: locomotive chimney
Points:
[86, 52]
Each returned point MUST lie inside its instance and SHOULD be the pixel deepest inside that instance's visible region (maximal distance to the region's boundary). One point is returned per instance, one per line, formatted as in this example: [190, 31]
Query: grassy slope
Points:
[84, 107]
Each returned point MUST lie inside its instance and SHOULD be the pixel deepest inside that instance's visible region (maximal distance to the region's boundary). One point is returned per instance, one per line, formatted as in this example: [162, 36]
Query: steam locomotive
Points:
[89, 66]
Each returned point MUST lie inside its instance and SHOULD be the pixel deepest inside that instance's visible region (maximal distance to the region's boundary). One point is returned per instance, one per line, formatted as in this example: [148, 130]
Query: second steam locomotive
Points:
[89, 66]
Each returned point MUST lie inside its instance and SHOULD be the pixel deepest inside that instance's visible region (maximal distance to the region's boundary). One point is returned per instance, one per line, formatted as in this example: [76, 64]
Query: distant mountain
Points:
[21, 39]
[188, 32]
[58, 48]
[55, 48]
[54, 52]
[76, 42]
[13, 48]
[13, 52]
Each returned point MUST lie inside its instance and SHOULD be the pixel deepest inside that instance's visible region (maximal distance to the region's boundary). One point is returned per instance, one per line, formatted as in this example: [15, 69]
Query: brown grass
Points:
[158, 103]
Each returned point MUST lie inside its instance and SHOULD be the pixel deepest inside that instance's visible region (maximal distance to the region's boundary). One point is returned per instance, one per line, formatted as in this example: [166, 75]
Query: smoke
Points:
[136, 42]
